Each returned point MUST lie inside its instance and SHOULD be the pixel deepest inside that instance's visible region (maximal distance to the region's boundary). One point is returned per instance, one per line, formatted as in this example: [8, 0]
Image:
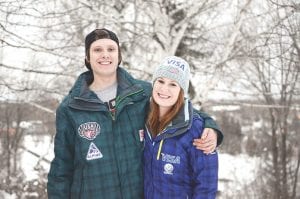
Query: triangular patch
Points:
[93, 153]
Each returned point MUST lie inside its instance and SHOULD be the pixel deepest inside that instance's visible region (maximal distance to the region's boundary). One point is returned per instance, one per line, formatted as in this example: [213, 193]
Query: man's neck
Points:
[103, 83]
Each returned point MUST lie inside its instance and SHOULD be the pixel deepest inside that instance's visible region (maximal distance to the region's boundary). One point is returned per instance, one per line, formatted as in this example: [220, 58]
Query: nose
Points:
[105, 54]
[163, 87]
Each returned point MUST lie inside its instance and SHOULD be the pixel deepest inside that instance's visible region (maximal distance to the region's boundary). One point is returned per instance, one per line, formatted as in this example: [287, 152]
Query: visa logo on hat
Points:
[176, 63]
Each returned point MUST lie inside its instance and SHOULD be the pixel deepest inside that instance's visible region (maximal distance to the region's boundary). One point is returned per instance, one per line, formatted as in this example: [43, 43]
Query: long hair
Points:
[156, 124]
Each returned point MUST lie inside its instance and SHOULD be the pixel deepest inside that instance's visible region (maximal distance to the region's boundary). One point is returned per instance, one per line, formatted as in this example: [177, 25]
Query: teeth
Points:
[163, 96]
[104, 62]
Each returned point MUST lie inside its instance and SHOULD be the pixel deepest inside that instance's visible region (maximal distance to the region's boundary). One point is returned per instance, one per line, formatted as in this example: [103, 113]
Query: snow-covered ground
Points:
[235, 172]
[40, 145]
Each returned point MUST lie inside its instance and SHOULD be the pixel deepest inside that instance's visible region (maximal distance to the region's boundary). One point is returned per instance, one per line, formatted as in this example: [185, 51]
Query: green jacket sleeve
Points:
[61, 168]
[210, 123]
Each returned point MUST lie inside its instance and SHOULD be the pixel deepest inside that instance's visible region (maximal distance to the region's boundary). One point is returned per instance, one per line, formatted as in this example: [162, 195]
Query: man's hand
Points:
[208, 141]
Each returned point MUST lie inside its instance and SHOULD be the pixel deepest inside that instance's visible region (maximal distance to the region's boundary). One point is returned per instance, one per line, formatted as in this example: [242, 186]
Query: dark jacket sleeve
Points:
[61, 168]
[204, 170]
[210, 123]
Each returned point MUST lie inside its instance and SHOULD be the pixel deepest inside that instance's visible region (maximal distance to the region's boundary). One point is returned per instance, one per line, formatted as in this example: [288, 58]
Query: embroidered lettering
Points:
[176, 63]
[89, 130]
[170, 158]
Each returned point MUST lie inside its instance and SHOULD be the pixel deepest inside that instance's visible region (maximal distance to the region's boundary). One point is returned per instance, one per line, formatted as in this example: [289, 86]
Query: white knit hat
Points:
[174, 68]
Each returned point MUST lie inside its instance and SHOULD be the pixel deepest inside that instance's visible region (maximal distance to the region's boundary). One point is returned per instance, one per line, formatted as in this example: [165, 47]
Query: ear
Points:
[87, 59]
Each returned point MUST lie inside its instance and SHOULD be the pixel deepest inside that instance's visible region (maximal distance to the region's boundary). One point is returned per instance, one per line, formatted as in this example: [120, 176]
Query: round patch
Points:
[89, 130]
[168, 169]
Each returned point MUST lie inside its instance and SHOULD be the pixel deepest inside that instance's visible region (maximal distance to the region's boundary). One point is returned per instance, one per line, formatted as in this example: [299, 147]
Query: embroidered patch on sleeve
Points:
[93, 152]
[89, 130]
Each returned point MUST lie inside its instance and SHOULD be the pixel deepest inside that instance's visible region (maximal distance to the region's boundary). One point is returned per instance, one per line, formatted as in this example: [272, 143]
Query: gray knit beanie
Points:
[174, 68]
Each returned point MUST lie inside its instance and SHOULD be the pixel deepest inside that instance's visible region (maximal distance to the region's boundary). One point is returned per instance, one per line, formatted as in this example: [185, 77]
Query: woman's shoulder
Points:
[197, 118]
[197, 125]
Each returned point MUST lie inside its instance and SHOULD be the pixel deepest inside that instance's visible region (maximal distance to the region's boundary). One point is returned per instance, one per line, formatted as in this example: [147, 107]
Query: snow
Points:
[38, 144]
[30, 124]
[226, 108]
[4, 195]
[235, 172]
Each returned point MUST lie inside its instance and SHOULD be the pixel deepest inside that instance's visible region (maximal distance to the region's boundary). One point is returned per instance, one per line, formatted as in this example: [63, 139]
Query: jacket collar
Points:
[81, 97]
[81, 87]
[180, 124]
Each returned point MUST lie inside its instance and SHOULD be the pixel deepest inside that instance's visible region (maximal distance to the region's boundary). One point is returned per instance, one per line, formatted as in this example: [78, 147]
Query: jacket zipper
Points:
[113, 116]
[118, 101]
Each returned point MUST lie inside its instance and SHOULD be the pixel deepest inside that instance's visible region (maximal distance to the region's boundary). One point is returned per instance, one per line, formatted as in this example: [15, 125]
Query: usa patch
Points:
[89, 130]
[93, 152]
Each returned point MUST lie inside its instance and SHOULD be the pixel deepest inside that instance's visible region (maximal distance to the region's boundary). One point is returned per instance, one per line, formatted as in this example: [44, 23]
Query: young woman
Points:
[97, 147]
[173, 168]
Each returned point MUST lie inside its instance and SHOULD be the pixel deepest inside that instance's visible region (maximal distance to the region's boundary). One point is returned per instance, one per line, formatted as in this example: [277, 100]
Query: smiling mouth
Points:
[104, 62]
[163, 96]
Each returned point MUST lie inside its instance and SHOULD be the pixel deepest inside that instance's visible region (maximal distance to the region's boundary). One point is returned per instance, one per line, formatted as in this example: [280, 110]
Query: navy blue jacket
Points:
[173, 167]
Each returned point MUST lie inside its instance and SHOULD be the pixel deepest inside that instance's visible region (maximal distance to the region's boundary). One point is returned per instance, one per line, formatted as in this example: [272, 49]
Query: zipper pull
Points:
[113, 114]
[111, 104]
[159, 149]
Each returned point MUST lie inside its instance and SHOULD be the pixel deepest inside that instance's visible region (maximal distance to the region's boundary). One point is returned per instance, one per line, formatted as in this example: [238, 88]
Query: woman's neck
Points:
[163, 111]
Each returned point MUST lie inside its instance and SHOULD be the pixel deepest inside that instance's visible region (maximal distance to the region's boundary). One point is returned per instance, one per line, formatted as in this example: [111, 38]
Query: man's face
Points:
[104, 57]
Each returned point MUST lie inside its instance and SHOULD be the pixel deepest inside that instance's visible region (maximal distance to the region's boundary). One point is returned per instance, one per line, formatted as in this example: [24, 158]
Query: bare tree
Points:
[153, 30]
[11, 138]
[273, 68]
[254, 45]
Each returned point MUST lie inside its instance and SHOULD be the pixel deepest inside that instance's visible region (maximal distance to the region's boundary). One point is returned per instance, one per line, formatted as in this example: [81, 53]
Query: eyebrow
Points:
[102, 46]
[172, 81]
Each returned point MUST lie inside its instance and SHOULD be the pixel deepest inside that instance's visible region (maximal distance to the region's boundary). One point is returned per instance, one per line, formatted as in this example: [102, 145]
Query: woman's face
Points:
[165, 93]
[104, 57]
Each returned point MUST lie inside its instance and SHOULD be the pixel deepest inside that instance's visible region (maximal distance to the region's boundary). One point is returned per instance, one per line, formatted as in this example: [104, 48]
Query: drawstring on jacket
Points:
[159, 149]
[186, 118]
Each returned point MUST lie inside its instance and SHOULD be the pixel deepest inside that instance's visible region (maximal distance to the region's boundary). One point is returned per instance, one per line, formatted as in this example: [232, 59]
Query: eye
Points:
[111, 49]
[173, 84]
[97, 49]
[160, 81]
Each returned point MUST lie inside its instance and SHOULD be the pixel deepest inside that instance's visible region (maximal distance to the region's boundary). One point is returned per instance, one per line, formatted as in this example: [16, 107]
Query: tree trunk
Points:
[275, 157]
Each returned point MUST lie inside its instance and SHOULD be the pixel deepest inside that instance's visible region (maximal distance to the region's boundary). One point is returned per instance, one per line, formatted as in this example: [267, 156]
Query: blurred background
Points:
[245, 63]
